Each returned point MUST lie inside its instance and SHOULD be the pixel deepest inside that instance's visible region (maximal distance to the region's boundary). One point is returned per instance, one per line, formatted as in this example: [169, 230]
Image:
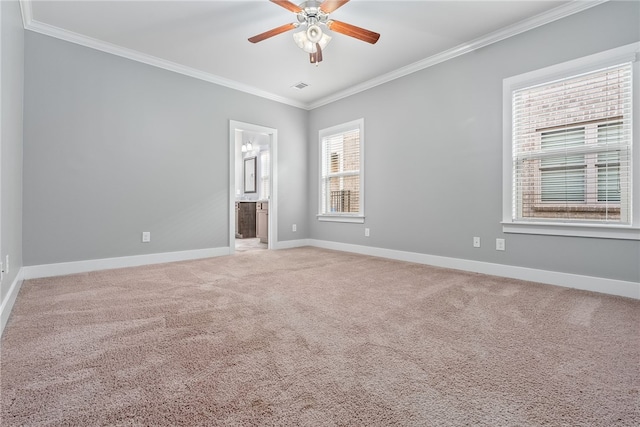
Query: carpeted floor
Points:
[311, 337]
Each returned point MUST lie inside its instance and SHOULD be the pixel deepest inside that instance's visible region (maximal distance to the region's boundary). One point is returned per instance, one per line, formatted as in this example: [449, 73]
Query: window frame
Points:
[342, 216]
[627, 53]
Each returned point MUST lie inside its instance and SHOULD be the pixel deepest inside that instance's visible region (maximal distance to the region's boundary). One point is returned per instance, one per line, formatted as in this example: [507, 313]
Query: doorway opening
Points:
[253, 199]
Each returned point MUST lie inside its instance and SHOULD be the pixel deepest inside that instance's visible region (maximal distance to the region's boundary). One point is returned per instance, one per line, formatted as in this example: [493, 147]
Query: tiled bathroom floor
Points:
[243, 245]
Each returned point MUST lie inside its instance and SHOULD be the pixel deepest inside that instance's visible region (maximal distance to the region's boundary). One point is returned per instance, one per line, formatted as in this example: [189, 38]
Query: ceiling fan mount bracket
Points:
[311, 15]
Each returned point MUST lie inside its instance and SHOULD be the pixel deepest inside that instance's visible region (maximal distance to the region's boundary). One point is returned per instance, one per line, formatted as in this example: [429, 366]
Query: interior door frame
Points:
[272, 133]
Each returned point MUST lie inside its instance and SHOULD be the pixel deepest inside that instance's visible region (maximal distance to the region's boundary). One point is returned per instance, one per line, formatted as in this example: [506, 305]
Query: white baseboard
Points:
[64, 268]
[588, 283]
[575, 281]
[9, 299]
[288, 244]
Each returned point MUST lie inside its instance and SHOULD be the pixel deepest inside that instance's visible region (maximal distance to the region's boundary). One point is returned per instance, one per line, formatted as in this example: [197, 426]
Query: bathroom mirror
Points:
[250, 175]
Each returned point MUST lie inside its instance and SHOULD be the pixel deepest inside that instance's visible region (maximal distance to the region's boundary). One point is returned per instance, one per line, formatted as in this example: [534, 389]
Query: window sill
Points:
[574, 230]
[357, 219]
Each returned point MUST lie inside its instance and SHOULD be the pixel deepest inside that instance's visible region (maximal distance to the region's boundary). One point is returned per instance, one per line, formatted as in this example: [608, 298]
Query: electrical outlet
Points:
[367, 233]
[500, 245]
[476, 242]
[146, 236]
[1, 271]
[6, 264]
[294, 228]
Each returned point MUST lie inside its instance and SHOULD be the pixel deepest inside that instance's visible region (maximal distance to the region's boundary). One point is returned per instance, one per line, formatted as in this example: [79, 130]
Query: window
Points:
[568, 148]
[583, 186]
[341, 173]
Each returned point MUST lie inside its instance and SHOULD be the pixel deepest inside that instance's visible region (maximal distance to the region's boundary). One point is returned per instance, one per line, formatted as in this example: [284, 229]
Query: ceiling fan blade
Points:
[273, 32]
[288, 5]
[329, 6]
[353, 31]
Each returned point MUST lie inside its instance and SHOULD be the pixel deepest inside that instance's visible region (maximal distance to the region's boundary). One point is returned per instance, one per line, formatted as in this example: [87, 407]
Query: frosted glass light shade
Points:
[314, 33]
[303, 42]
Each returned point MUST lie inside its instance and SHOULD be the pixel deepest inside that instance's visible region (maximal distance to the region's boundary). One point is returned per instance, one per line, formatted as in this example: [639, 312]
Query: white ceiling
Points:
[208, 39]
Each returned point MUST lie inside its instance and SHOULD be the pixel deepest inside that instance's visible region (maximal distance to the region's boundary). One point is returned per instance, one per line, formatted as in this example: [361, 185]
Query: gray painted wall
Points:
[11, 149]
[113, 147]
[434, 153]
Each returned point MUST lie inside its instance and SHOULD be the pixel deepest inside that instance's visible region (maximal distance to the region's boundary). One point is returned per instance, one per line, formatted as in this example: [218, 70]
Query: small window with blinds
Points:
[568, 158]
[341, 172]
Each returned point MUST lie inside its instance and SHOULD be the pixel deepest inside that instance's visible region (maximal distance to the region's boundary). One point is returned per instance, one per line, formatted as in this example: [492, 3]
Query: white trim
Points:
[10, 299]
[577, 66]
[82, 40]
[588, 283]
[575, 281]
[575, 230]
[273, 180]
[528, 24]
[585, 64]
[74, 267]
[27, 12]
[334, 130]
[290, 244]
[341, 218]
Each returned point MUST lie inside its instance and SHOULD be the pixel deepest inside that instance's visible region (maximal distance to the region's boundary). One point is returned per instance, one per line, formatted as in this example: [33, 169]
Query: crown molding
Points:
[70, 36]
[27, 12]
[536, 21]
[560, 12]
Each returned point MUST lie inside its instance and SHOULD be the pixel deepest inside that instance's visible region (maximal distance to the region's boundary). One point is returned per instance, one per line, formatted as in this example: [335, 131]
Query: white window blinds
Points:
[341, 172]
[572, 148]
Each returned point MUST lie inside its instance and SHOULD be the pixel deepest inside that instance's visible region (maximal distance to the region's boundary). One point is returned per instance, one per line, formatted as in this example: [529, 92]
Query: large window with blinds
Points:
[341, 173]
[568, 155]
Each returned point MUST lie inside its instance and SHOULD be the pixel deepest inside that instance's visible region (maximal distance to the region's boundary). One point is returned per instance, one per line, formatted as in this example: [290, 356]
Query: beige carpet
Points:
[312, 337]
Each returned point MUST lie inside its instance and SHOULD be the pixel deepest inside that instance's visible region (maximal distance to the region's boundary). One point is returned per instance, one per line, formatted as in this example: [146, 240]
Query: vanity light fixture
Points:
[247, 147]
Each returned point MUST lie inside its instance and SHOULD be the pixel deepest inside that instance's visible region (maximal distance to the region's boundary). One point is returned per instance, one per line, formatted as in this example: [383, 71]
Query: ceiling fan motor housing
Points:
[311, 13]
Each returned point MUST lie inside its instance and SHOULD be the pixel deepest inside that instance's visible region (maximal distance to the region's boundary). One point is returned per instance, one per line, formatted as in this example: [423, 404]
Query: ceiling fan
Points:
[312, 15]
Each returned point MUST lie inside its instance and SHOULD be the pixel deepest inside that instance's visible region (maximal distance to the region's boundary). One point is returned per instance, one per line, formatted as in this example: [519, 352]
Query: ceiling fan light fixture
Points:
[312, 15]
[314, 33]
[303, 42]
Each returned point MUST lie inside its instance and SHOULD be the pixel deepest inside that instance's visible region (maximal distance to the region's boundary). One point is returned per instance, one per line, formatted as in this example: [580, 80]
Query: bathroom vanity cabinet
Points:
[262, 221]
[245, 220]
